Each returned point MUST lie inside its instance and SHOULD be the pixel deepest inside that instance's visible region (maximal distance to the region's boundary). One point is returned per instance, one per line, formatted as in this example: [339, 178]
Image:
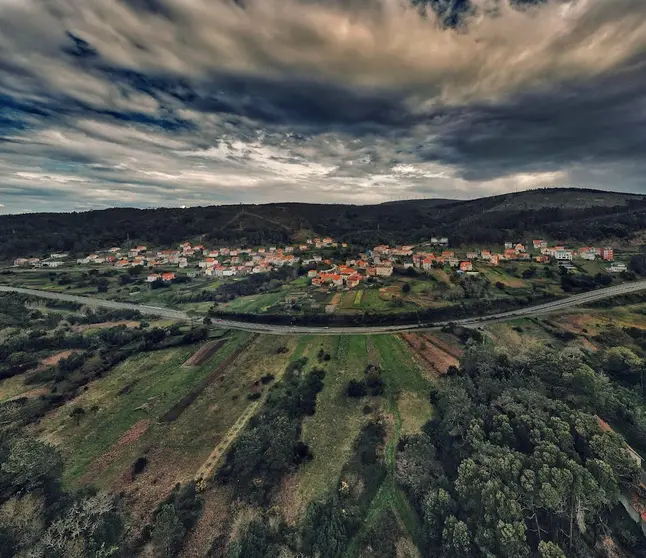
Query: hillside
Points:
[557, 213]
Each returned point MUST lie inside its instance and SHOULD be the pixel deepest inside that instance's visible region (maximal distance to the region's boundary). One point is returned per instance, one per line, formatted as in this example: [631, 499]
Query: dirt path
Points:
[205, 472]
[54, 359]
[208, 468]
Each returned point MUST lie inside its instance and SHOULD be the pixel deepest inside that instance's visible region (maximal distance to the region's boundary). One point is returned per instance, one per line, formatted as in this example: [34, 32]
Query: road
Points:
[546, 308]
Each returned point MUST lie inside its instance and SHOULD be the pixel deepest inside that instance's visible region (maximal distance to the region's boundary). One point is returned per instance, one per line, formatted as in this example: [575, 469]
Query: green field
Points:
[404, 380]
[156, 382]
[331, 432]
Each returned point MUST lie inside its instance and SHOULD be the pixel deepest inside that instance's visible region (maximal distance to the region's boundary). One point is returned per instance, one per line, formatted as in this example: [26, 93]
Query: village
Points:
[322, 271]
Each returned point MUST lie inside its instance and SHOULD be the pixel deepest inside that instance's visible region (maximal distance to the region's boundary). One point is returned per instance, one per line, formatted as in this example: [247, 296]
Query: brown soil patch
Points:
[129, 437]
[448, 343]
[336, 298]
[214, 523]
[205, 353]
[54, 359]
[288, 499]
[439, 359]
[104, 325]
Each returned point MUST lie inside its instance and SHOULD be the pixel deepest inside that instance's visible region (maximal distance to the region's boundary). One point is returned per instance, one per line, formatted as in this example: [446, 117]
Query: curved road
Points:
[538, 309]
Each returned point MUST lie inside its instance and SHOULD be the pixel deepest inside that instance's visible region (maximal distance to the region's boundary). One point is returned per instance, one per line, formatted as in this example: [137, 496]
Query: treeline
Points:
[478, 221]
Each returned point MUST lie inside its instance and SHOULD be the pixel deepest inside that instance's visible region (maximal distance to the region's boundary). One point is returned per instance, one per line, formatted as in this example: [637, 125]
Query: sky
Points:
[149, 103]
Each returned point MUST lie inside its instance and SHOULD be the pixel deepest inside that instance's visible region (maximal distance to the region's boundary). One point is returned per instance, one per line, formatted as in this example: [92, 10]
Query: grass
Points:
[404, 385]
[497, 275]
[15, 386]
[254, 303]
[156, 380]
[331, 432]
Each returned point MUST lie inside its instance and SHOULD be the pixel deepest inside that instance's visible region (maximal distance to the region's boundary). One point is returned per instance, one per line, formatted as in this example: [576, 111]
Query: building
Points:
[167, 276]
[384, 270]
[472, 255]
[153, 277]
[607, 254]
[562, 254]
[466, 266]
[617, 268]
[353, 280]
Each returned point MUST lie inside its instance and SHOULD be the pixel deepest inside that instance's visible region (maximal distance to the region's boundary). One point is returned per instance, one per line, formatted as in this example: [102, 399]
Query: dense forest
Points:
[595, 216]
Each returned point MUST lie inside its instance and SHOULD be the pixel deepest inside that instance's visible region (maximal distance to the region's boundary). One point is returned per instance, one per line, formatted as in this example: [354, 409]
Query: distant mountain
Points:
[556, 213]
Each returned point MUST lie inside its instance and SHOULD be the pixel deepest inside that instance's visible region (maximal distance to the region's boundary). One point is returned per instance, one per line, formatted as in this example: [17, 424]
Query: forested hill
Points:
[563, 214]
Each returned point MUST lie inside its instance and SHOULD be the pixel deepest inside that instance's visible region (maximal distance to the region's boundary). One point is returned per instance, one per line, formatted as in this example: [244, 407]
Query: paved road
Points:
[99, 302]
[535, 310]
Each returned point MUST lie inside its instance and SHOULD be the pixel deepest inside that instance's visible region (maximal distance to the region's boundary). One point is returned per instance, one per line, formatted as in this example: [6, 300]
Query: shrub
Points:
[139, 466]
[356, 388]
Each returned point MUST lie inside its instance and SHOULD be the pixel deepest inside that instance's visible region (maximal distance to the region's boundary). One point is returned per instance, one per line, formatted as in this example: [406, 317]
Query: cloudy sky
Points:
[193, 102]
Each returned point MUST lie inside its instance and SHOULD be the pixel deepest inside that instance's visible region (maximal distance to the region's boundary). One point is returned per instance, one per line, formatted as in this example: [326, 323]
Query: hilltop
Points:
[559, 213]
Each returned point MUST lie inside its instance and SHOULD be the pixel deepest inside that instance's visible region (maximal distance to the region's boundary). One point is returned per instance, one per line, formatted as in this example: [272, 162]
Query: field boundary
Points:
[176, 410]
[204, 353]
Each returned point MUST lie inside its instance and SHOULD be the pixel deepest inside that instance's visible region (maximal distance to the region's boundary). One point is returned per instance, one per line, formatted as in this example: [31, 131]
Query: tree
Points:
[356, 388]
[456, 540]
[406, 288]
[77, 414]
[32, 464]
[548, 549]
[436, 507]
[414, 465]
[623, 364]
[168, 532]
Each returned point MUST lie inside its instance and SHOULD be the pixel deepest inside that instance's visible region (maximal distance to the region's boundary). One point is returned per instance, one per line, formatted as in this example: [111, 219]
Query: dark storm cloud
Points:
[170, 102]
[601, 121]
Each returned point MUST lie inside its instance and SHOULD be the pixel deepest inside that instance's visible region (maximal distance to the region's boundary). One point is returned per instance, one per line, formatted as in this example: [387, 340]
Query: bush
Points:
[139, 466]
[356, 388]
